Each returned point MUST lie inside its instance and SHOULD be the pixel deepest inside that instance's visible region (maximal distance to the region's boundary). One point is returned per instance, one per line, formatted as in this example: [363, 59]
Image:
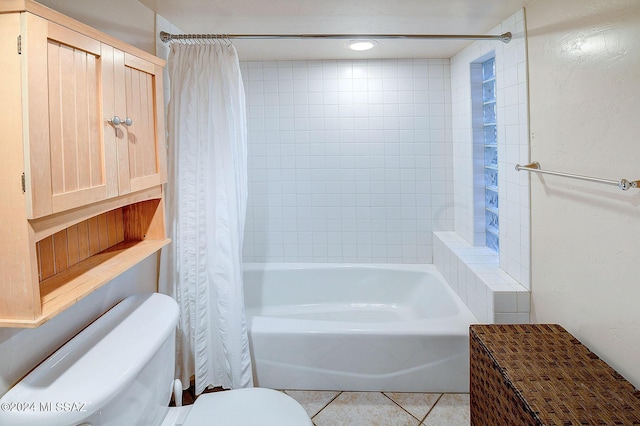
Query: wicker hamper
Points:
[539, 374]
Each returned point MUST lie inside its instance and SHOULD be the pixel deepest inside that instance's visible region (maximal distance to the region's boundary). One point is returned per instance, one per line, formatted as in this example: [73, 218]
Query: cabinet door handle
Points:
[116, 121]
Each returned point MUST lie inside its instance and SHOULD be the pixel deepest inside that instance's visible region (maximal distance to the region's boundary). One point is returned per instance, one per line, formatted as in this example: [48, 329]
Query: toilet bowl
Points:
[119, 371]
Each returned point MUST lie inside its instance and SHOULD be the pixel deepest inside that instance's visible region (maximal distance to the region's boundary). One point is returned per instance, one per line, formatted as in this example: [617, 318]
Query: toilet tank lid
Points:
[96, 364]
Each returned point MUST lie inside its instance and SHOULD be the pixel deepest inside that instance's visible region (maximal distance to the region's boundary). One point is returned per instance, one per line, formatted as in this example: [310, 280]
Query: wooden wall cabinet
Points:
[75, 86]
[81, 196]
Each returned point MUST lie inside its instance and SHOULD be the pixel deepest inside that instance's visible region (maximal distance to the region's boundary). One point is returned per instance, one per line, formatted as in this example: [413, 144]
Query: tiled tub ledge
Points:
[474, 274]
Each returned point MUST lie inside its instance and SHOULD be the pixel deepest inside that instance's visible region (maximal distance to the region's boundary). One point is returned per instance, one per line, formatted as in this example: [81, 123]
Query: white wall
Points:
[22, 349]
[349, 161]
[126, 20]
[585, 98]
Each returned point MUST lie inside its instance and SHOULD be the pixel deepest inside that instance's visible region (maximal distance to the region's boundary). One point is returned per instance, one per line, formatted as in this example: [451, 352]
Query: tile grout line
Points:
[326, 405]
[431, 409]
[401, 407]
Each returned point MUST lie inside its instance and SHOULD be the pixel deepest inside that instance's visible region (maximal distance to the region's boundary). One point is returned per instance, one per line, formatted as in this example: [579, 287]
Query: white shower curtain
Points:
[206, 208]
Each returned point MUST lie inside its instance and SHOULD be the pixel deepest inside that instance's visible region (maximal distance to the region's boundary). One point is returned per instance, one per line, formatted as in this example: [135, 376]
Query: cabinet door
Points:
[146, 165]
[66, 158]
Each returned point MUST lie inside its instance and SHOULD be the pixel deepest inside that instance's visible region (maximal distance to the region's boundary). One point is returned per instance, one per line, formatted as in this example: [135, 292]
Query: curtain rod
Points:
[167, 37]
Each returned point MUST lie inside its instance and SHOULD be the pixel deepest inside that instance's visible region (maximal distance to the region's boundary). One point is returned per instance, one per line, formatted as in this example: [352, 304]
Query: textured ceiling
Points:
[337, 16]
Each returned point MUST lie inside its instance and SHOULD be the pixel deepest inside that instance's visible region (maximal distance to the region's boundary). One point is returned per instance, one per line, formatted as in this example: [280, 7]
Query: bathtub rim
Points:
[456, 324]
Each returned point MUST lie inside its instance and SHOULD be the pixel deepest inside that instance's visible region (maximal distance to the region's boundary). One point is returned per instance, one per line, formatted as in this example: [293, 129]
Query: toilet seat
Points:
[247, 407]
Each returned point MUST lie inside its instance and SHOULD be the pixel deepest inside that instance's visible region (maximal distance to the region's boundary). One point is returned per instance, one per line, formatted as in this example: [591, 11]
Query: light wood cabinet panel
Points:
[67, 158]
[82, 198]
[147, 159]
[19, 298]
[75, 86]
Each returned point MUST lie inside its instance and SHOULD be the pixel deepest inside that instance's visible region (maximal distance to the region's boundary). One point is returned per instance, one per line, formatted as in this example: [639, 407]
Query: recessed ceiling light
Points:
[361, 44]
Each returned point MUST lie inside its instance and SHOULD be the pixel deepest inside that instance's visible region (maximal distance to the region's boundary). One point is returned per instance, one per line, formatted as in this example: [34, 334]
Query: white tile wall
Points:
[349, 161]
[491, 294]
[513, 147]
[495, 288]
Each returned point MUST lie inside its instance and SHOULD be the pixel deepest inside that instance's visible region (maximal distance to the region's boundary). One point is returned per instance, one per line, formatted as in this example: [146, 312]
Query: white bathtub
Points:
[356, 327]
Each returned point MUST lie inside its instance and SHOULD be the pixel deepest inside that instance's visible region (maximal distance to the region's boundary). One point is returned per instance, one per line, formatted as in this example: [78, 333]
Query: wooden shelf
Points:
[63, 290]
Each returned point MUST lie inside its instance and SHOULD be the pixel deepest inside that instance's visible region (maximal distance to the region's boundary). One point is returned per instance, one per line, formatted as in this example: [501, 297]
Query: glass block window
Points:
[490, 154]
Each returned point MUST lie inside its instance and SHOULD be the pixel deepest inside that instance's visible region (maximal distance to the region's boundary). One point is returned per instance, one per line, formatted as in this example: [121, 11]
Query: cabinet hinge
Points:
[24, 183]
[19, 45]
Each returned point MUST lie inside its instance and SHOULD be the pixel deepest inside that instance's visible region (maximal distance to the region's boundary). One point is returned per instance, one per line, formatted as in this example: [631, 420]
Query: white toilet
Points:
[119, 371]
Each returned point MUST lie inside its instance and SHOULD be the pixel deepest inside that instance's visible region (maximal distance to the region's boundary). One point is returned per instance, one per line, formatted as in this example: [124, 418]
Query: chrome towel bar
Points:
[623, 184]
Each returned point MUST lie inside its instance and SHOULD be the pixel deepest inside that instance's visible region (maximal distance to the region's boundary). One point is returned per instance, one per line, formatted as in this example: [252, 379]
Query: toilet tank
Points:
[117, 371]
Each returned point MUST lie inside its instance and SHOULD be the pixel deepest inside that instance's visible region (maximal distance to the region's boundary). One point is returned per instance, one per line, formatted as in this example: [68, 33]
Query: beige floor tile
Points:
[363, 409]
[417, 404]
[312, 401]
[451, 410]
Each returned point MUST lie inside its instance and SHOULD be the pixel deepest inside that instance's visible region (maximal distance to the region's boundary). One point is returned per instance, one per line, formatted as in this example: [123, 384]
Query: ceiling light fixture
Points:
[361, 44]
